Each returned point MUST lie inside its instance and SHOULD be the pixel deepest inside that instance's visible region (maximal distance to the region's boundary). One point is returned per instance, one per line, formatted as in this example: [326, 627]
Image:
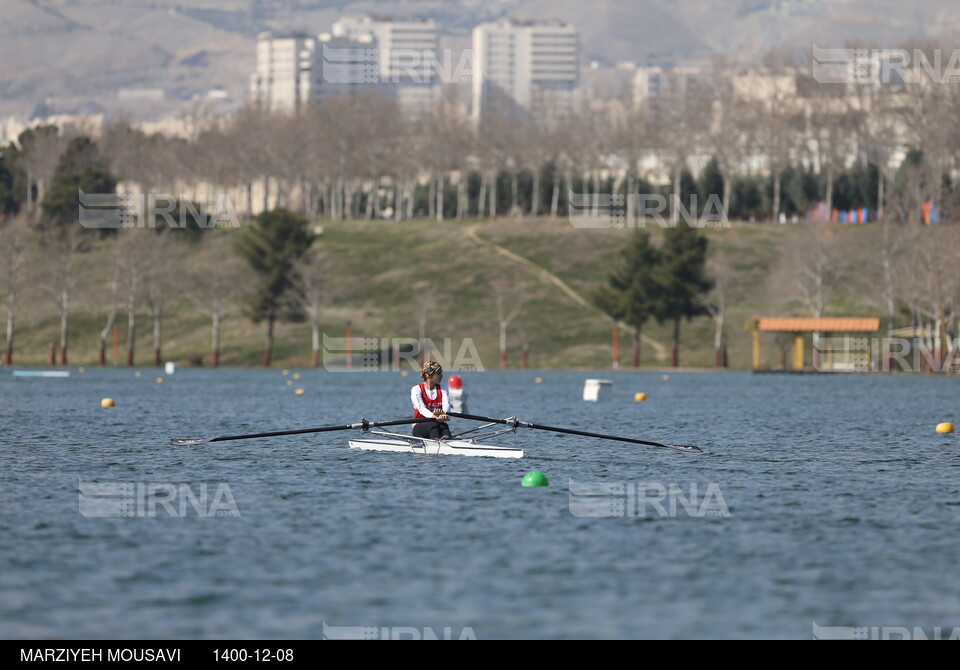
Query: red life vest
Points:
[431, 405]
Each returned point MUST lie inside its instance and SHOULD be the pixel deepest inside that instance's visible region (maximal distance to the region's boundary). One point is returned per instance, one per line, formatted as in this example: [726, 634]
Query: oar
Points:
[689, 448]
[363, 425]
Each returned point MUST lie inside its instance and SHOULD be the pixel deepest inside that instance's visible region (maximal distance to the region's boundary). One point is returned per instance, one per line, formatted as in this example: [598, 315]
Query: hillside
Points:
[380, 275]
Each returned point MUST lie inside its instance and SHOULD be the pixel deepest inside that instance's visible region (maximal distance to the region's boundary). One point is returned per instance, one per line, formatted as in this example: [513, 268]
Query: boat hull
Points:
[434, 447]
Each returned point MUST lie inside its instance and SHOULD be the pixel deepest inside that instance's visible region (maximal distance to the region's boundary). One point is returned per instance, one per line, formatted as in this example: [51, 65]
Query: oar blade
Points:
[187, 441]
[689, 448]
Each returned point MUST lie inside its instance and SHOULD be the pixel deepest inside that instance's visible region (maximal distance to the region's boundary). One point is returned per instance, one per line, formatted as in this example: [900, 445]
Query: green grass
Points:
[377, 274]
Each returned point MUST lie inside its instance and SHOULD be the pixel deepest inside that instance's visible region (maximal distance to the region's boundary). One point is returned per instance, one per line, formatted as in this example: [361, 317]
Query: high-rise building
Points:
[345, 65]
[400, 58]
[648, 84]
[282, 81]
[536, 65]
[408, 55]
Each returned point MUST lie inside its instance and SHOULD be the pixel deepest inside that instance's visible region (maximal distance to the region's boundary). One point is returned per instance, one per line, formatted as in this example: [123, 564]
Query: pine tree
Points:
[81, 168]
[10, 173]
[631, 292]
[271, 245]
[681, 279]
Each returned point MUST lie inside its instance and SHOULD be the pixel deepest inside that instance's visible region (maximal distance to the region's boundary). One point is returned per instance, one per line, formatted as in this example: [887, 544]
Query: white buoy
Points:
[170, 367]
[458, 396]
[595, 390]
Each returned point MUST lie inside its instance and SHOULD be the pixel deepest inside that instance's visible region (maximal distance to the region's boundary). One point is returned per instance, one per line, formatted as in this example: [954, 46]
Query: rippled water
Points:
[840, 507]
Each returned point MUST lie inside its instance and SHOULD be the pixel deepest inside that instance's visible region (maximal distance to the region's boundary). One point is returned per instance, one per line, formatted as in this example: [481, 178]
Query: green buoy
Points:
[535, 479]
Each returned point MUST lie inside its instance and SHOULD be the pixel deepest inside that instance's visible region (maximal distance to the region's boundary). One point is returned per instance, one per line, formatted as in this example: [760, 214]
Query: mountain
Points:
[156, 57]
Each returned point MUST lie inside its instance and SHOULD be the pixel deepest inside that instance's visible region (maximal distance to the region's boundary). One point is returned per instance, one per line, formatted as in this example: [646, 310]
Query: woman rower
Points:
[431, 402]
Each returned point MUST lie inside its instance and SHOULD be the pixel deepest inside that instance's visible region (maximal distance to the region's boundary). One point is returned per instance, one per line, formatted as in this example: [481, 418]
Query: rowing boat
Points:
[409, 444]
[455, 446]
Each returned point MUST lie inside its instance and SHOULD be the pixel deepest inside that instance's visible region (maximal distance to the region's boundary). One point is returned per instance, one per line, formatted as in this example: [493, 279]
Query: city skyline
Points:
[154, 60]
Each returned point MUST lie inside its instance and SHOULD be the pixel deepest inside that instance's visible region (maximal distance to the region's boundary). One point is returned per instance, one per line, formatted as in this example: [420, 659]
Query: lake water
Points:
[820, 500]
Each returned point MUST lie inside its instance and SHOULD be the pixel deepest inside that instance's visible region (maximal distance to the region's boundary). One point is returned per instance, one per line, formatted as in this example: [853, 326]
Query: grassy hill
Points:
[381, 275]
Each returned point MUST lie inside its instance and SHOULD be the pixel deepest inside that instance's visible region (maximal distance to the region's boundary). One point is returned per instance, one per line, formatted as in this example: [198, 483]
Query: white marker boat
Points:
[41, 373]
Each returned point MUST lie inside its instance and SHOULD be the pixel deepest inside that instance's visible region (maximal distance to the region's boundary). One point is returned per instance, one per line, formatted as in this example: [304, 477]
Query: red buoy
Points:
[455, 382]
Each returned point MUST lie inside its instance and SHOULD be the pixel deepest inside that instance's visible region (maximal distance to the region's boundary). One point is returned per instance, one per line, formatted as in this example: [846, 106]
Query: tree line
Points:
[275, 269]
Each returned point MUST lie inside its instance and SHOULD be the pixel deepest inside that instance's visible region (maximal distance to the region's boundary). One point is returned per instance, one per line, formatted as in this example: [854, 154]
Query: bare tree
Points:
[885, 118]
[729, 285]
[111, 298]
[215, 163]
[132, 154]
[306, 278]
[681, 118]
[451, 137]
[932, 288]
[41, 150]
[519, 147]
[289, 158]
[561, 142]
[62, 249]
[631, 138]
[249, 137]
[134, 252]
[505, 317]
[777, 122]
[122, 145]
[880, 143]
[216, 285]
[345, 141]
[497, 136]
[884, 263]
[727, 131]
[935, 124]
[833, 123]
[819, 264]
[161, 270]
[595, 148]
[316, 168]
[14, 256]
